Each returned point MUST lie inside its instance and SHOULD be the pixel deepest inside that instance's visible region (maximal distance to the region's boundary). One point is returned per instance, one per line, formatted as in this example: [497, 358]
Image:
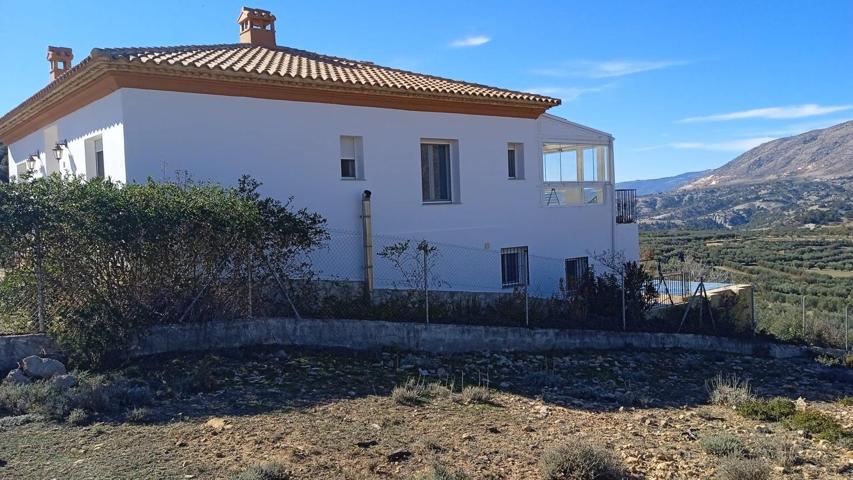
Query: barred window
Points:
[575, 270]
[514, 268]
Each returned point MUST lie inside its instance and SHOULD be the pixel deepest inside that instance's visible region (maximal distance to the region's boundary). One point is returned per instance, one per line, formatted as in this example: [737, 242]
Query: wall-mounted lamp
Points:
[31, 161]
[57, 149]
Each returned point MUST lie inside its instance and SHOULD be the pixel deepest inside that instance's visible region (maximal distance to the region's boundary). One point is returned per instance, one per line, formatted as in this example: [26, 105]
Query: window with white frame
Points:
[576, 268]
[574, 174]
[515, 161]
[352, 164]
[98, 146]
[436, 172]
[514, 267]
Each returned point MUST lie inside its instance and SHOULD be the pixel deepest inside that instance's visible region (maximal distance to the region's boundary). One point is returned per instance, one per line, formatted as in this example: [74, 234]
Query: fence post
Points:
[624, 321]
[426, 284]
[40, 291]
[251, 271]
[804, 317]
[526, 308]
[846, 329]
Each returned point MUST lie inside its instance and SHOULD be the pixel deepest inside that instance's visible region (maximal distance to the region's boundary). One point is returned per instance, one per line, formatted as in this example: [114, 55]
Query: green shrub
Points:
[579, 460]
[818, 424]
[846, 401]
[116, 258]
[263, 471]
[773, 410]
[78, 417]
[476, 394]
[728, 390]
[722, 445]
[780, 451]
[734, 468]
[93, 393]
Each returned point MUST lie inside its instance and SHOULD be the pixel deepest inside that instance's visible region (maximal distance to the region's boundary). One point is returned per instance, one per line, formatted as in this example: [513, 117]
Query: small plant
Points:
[410, 393]
[773, 410]
[579, 460]
[263, 471]
[734, 468]
[476, 394]
[440, 472]
[846, 401]
[784, 453]
[722, 445]
[828, 360]
[78, 417]
[139, 415]
[818, 424]
[728, 390]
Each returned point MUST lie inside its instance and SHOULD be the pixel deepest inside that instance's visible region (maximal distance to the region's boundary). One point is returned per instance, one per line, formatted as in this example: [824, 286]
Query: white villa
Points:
[445, 160]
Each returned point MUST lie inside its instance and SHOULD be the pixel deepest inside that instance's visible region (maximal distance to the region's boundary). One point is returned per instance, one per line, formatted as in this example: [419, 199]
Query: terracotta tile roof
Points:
[300, 65]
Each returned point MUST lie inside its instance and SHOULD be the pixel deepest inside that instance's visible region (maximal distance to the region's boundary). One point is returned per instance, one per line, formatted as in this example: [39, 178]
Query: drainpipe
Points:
[367, 237]
[611, 186]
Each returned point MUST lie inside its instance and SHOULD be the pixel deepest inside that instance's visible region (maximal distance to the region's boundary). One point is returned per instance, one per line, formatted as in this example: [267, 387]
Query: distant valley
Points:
[794, 181]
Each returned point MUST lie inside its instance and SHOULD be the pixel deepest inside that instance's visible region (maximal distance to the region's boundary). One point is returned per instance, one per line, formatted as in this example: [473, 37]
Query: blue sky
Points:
[683, 85]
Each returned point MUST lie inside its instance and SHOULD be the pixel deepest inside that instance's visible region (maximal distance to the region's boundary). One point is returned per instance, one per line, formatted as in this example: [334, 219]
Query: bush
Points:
[263, 471]
[846, 401]
[476, 394]
[729, 391]
[743, 469]
[410, 393]
[115, 258]
[93, 393]
[818, 424]
[78, 417]
[139, 415]
[722, 445]
[773, 410]
[579, 460]
[439, 472]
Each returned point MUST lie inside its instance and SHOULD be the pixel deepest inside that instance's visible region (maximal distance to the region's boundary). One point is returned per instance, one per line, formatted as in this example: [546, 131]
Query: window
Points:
[99, 157]
[514, 269]
[515, 161]
[561, 163]
[352, 165]
[576, 268]
[436, 169]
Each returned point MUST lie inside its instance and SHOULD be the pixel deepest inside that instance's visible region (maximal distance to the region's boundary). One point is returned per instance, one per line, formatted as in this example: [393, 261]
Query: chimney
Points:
[60, 61]
[257, 27]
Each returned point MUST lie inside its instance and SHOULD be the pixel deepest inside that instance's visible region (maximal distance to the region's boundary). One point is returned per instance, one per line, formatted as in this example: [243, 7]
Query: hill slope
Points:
[660, 185]
[815, 155]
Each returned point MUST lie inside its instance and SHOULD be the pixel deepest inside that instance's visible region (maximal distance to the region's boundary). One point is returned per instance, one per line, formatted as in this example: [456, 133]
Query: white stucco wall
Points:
[103, 118]
[293, 148]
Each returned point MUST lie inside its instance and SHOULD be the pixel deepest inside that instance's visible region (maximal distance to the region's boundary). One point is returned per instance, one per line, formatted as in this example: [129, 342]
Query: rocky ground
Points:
[331, 415]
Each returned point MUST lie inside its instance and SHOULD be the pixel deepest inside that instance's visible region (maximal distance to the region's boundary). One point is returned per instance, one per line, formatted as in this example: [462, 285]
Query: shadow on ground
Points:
[248, 382]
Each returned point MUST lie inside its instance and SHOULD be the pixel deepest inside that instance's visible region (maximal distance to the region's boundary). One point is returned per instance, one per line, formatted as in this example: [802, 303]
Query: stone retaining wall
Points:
[369, 334]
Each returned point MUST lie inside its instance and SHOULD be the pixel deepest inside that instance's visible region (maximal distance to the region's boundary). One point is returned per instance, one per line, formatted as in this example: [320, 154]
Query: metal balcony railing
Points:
[626, 205]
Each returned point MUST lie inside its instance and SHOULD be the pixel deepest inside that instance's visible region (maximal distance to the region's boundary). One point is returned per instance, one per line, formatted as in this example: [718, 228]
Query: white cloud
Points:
[475, 41]
[604, 69]
[792, 111]
[567, 94]
[740, 145]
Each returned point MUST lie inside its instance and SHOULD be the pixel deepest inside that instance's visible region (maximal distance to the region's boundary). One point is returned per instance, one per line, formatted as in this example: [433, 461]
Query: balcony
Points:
[626, 205]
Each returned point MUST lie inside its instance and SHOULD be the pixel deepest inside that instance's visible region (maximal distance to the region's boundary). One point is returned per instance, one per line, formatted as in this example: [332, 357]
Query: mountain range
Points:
[799, 180]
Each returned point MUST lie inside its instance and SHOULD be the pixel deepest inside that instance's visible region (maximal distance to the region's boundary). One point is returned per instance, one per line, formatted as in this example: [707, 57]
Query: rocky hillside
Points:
[769, 204]
[660, 185]
[815, 155]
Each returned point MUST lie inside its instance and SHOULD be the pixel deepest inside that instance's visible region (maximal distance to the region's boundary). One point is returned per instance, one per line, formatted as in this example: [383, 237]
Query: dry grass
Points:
[730, 391]
[576, 459]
